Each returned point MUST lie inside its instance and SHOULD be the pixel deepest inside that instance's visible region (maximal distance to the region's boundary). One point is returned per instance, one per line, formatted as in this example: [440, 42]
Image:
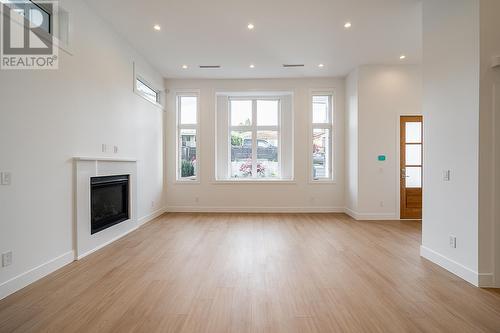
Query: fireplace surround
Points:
[105, 201]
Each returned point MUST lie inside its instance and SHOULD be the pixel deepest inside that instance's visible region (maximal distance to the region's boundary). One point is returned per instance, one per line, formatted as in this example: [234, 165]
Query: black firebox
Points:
[109, 197]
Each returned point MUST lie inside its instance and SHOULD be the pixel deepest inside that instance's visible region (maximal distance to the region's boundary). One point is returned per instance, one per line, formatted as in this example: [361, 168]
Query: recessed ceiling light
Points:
[157, 27]
[402, 57]
[321, 65]
[347, 25]
[252, 66]
[184, 66]
[250, 26]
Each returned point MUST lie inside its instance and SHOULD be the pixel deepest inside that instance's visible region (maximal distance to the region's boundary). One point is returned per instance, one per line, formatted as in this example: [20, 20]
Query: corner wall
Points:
[50, 116]
[489, 154]
[352, 141]
[451, 115]
[377, 96]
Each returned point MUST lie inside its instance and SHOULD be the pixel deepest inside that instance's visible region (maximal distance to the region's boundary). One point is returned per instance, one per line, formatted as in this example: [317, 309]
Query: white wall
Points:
[351, 148]
[48, 117]
[384, 93]
[489, 121]
[301, 195]
[451, 131]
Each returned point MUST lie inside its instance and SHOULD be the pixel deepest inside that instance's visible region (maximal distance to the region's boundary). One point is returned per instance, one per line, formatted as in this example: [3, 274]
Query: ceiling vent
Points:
[293, 65]
[209, 66]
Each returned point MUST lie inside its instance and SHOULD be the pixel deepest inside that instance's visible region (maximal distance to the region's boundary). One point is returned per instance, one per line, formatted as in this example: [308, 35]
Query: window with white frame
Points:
[322, 136]
[254, 138]
[146, 90]
[187, 136]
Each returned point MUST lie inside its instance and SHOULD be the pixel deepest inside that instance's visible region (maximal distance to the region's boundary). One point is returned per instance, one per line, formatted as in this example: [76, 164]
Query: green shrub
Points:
[236, 140]
[187, 169]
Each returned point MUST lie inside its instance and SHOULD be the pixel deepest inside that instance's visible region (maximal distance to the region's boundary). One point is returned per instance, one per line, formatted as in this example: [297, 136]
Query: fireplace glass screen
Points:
[109, 201]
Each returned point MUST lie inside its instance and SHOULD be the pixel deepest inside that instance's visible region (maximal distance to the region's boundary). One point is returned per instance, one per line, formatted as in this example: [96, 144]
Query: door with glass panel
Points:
[411, 166]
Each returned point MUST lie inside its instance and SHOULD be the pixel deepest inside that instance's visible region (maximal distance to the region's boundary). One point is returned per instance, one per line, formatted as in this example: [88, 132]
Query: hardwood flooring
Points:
[255, 273]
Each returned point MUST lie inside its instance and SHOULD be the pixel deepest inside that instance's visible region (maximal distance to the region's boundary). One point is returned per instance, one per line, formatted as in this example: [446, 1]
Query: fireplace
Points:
[109, 201]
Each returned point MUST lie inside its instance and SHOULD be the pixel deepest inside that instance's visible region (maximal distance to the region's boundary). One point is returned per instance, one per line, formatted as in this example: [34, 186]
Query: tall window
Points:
[254, 138]
[322, 134]
[187, 131]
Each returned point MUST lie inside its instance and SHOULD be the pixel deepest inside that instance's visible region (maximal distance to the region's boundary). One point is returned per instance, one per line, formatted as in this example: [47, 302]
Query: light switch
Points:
[453, 242]
[446, 175]
[7, 259]
[5, 178]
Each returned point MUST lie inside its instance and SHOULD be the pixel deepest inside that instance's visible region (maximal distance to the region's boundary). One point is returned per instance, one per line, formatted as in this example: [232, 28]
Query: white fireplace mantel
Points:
[85, 168]
[111, 159]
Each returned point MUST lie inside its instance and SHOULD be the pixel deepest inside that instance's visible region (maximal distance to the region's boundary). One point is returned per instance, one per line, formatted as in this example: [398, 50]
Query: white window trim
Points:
[250, 181]
[178, 178]
[254, 129]
[331, 126]
[141, 78]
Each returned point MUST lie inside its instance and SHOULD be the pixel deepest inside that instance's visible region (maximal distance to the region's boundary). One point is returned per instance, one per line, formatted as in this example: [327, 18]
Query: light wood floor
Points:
[255, 273]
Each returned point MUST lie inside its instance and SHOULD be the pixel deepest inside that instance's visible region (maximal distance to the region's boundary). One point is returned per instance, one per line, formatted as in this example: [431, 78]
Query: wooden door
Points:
[411, 166]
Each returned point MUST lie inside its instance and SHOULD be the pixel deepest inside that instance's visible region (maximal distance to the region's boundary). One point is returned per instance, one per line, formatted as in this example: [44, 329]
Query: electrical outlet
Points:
[115, 149]
[7, 259]
[453, 242]
[152, 204]
[5, 178]
[104, 147]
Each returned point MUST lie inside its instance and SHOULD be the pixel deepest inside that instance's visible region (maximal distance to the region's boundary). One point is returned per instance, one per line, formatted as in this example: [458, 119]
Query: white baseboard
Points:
[114, 239]
[148, 218]
[370, 216]
[141, 221]
[487, 280]
[211, 209]
[22, 280]
[454, 267]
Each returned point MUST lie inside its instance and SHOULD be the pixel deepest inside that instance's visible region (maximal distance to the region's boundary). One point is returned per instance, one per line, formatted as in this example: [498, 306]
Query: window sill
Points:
[254, 181]
[322, 181]
[187, 182]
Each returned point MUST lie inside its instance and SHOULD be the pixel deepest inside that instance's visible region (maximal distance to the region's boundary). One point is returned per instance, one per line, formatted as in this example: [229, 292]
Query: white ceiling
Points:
[310, 32]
